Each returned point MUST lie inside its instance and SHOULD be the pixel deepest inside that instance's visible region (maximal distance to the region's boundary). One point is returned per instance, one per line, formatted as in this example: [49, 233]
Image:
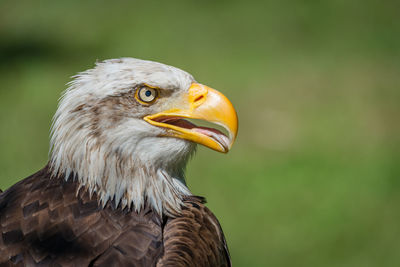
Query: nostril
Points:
[200, 97]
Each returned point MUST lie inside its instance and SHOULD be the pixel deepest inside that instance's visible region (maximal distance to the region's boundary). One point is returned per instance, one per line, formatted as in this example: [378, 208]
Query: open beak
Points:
[204, 103]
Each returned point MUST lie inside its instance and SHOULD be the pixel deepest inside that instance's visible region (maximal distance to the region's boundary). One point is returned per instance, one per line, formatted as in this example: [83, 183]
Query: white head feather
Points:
[99, 136]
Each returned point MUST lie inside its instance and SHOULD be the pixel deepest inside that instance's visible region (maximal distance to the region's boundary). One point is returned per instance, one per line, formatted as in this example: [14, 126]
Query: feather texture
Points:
[53, 221]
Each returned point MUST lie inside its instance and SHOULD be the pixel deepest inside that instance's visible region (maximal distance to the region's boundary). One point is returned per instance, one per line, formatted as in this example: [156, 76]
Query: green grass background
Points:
[313, 179]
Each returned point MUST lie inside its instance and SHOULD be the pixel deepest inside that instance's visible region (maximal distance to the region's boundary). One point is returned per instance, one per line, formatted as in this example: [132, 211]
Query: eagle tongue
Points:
[217, 135]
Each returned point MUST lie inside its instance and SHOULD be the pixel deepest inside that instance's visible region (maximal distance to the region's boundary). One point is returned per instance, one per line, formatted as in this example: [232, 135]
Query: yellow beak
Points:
[205, 103]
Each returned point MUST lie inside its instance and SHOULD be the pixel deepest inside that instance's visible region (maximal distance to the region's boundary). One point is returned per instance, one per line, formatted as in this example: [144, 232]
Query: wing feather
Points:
[44, 221]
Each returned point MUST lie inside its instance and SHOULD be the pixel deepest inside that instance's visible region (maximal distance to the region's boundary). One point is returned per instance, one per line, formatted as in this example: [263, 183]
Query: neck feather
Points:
[129, 184]
[131, 174]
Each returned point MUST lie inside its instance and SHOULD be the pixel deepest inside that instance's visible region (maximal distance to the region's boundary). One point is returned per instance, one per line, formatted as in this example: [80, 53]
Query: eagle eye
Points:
[146, 94]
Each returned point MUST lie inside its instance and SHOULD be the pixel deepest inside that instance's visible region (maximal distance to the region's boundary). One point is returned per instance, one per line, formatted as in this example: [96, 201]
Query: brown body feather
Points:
[44, 221]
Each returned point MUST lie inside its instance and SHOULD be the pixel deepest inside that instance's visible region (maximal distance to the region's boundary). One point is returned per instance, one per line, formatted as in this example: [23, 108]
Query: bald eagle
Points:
[113, 192]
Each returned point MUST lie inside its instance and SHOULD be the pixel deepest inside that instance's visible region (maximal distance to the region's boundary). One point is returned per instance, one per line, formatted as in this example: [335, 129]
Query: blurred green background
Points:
[314, 177]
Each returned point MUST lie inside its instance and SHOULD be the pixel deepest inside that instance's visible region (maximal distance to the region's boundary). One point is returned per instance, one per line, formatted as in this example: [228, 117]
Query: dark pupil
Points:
[148, 93]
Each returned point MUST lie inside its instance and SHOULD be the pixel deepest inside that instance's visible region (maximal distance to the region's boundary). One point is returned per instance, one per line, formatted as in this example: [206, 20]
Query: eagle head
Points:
[120, 129]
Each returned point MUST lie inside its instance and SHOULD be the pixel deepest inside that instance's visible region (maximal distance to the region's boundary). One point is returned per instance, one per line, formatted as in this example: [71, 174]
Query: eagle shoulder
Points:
[195, 238]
